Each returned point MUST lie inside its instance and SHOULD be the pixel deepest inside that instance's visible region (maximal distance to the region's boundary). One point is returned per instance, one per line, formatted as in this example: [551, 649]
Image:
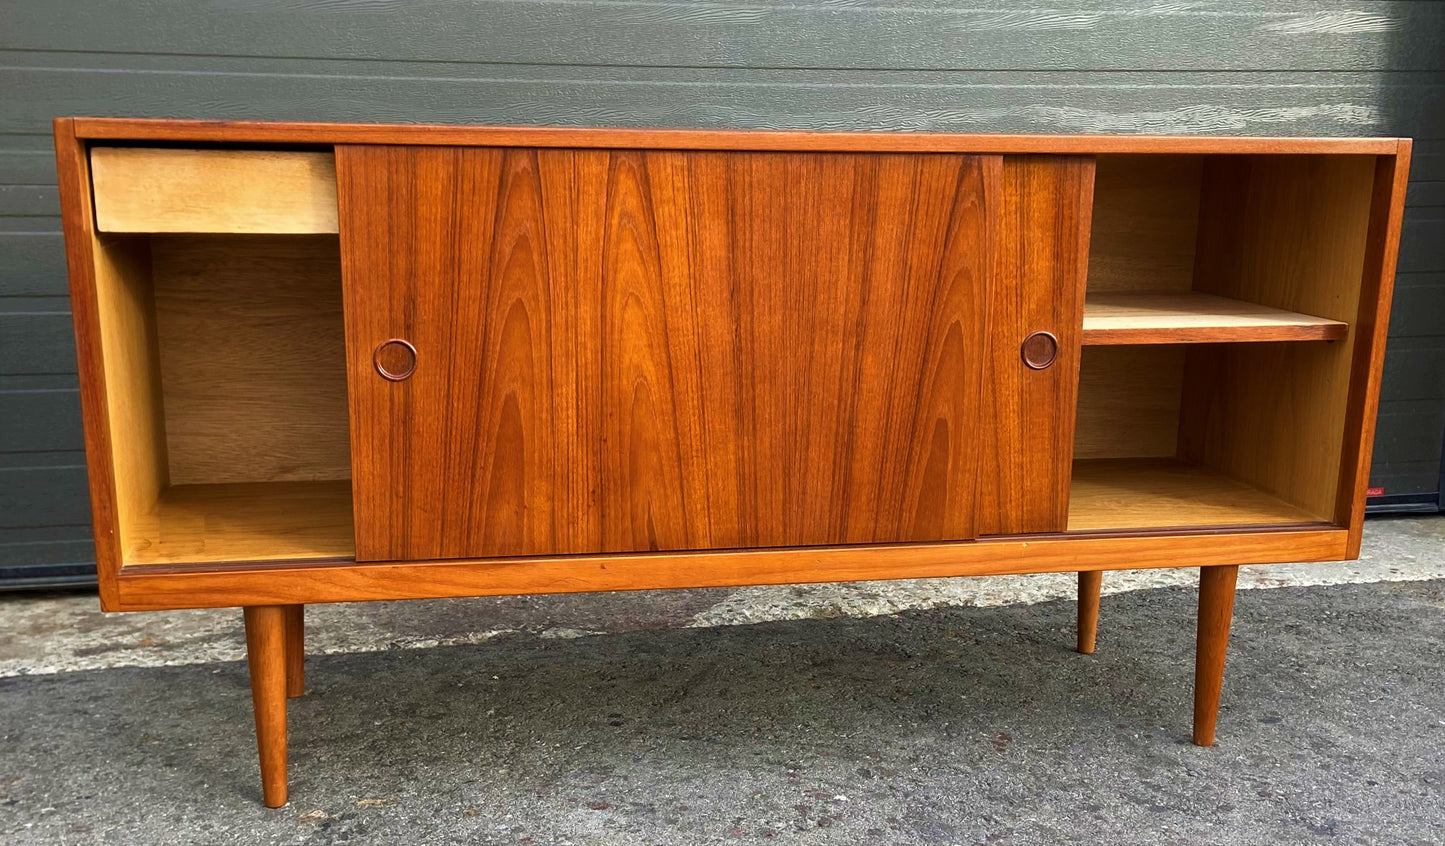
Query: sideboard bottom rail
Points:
[152, 588]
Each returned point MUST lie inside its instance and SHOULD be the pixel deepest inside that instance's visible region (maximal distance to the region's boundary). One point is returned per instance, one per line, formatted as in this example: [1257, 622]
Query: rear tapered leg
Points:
[266, 655]
[295, 650]
[1216, 608]
[1089, 584]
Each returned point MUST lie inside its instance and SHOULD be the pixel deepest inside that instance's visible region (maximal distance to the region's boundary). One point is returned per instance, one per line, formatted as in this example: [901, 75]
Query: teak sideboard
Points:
[327, 363]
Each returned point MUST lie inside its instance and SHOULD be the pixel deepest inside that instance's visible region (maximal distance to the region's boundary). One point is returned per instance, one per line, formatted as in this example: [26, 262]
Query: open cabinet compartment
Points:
[225, 368]
[1225, 404]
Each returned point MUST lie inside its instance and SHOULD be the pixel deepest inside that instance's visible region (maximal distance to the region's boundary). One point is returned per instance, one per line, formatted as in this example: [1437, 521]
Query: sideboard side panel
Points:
[1387, 208]
[1040, 268]
[82, 251]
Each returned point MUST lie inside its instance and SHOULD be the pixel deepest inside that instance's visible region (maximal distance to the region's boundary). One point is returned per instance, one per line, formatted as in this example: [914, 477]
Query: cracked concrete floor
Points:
[939, 711]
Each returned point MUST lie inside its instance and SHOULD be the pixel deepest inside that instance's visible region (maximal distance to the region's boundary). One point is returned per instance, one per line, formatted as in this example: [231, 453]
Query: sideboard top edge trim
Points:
[262, 132]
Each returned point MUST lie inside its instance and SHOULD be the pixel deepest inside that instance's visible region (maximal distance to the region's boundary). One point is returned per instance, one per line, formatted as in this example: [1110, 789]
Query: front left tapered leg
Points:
[1216, 608]
[1090, 582]
[266, 656]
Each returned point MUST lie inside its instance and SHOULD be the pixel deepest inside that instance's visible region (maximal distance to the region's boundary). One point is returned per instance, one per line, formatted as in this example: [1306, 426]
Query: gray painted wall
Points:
[1260, 68]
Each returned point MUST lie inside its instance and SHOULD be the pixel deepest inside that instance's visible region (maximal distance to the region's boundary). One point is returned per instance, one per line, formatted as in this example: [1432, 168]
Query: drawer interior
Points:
[1222, 297]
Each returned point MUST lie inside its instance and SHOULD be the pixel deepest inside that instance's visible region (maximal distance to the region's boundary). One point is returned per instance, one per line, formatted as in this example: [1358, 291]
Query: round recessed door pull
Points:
[1039, 350]
[395, 359]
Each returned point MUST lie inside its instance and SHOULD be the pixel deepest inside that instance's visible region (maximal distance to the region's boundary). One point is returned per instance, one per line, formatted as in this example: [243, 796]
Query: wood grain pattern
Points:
[1129, 400]
[1367, 364]
[81, 248]
[288, 583]
[1141, 493]
[127, 326]
[1038, 285]
[295, 618]
[649, 351]
[266, 660]
[1216, 609]
[278, 132]
[611, 210]
[1287, 232]
[144, 189]
[1145, 221]
[1090, 584]
[260, 521]
[252, 357]
[1193, 318]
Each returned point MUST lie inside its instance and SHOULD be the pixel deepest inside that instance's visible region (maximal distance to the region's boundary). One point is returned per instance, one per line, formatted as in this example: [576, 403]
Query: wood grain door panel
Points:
[630, 351]
[1040, 269]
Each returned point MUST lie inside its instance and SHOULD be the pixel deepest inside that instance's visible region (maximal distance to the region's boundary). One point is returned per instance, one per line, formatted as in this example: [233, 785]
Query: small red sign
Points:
[1376, 491]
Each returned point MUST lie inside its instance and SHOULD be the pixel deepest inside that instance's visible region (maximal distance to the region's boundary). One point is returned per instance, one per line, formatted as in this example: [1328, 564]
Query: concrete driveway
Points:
[929, 712]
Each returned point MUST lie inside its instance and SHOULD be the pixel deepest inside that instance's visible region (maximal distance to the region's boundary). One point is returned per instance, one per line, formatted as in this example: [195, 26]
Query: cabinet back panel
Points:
[1129, 402]
[252, 357]
[1146, 215]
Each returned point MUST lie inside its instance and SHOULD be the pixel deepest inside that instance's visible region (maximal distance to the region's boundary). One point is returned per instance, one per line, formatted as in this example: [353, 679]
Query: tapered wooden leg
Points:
[1216, 607]
[1089, 583]
[266, 655]
[295, 650]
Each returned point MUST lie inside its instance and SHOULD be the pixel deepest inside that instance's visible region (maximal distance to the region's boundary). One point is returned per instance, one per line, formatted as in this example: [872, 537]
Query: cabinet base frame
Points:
[160, 588]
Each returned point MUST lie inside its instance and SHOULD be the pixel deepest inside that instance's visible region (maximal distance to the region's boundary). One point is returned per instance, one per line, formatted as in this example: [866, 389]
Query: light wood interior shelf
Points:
[1148, 493]
[142, 189]
[1135, 317]
[252, 521]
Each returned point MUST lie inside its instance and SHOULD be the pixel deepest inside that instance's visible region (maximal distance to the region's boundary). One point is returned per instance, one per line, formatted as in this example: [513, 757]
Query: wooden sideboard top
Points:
[259, 132]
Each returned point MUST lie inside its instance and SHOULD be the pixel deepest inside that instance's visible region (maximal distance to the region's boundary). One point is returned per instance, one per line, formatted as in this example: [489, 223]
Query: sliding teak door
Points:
[568, 351]
[1036, 313]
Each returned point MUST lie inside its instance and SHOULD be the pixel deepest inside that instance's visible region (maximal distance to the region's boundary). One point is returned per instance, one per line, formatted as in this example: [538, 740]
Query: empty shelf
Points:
[1190, 318]
[1155, 493]
[257, 521]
